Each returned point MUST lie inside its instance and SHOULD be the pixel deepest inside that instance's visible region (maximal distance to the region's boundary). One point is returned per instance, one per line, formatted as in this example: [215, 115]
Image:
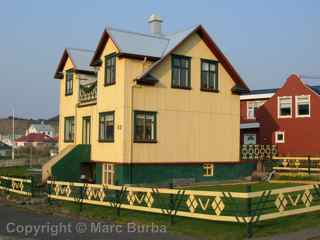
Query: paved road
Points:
[17, 224]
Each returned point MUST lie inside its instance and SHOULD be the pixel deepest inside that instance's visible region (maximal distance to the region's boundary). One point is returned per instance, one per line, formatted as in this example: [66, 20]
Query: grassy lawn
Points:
[242, 187]
[19, 171]
[205, 229]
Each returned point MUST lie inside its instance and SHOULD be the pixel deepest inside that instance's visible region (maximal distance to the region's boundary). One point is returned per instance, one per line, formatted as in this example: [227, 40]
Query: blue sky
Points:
[264, 40]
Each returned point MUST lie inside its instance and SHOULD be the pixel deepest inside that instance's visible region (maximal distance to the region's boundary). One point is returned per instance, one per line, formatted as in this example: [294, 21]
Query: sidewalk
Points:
[307, 234]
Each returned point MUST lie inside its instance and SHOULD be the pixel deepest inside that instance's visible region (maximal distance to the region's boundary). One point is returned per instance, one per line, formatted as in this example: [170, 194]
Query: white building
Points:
[41, 128]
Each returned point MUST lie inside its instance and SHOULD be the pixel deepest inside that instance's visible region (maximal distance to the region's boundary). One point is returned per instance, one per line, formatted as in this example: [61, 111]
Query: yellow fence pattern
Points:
[206, 205]
[302, 164]
[16, 185]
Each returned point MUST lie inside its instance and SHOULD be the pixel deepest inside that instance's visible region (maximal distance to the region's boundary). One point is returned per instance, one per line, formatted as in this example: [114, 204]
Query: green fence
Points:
[22, 186]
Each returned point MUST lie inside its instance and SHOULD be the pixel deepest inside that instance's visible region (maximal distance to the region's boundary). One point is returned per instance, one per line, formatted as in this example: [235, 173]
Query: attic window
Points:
[69, 82]
[285, 107]
[110, 69]
[303, 106]
[181, 72]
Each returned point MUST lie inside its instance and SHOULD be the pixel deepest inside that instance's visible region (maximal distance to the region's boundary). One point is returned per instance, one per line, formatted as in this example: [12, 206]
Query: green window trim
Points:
[145, 127]
[110, 69]
[106, 132]
[209, 75]
[69, 127]
[69, 82]
[181, 72]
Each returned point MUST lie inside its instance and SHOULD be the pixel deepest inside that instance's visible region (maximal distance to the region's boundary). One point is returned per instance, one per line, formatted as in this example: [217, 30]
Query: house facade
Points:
[41, 128]
[150, 108]
[287, 117]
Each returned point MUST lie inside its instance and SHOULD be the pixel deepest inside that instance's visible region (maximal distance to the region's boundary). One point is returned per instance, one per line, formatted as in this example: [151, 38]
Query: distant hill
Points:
[22, 124]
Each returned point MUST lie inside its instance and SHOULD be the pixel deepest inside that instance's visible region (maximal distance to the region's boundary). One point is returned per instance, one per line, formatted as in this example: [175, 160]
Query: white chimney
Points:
[155, 24]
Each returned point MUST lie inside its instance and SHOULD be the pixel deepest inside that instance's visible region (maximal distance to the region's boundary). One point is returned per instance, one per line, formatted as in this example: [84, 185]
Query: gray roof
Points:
[81, 58]
[146, 44]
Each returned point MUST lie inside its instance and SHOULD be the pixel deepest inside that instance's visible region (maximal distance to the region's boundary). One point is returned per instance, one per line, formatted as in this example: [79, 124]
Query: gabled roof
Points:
[158, 47]
[36, 137]
[80, 59]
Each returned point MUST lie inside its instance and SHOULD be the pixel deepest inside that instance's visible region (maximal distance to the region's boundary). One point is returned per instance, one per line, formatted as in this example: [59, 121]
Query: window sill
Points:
[109, 84]
[209, 90]
[68, 94]
[303, 116]
[183, 88]
[105, 141]
[284, 117]
[68, 141]
[142, 141]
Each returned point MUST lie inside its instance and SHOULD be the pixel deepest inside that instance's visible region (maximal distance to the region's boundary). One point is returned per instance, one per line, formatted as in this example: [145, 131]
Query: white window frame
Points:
[108, 168]
[208, 169]
[279, 99]
[297, 112]
[254, 104]
[276, 137]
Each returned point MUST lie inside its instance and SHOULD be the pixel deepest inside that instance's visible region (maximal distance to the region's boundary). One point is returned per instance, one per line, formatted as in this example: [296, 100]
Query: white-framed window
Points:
[303, 106]
[108, 173]
[285, 107]
[252, 107]
[250, 138]
[208, 169]
[279, 137]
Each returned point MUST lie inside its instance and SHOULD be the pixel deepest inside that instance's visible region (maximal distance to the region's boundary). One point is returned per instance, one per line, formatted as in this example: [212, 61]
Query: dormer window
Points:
[181, 72]
[69, 82]
[110, 69]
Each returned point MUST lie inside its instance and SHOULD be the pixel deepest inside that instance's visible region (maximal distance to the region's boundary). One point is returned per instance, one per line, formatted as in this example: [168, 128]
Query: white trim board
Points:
[256, 96]
[249, 125]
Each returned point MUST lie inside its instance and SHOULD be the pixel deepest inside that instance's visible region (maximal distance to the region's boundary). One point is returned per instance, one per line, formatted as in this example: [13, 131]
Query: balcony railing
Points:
[88, 94]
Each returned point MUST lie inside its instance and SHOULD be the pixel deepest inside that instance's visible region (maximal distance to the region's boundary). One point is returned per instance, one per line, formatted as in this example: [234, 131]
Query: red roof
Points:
[36, 137]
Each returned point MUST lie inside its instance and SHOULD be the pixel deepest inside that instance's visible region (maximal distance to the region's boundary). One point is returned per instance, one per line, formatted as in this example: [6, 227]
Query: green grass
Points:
[242, 187]
[19, 171]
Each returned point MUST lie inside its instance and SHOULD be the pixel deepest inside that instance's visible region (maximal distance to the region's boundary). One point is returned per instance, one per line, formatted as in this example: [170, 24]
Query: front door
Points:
[250, 138]
[86, 130]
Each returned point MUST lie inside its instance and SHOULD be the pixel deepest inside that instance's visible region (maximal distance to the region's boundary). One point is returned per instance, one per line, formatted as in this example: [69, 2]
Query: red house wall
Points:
[302, 135]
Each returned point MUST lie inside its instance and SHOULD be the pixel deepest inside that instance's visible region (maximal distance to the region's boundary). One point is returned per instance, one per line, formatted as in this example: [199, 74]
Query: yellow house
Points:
[149, 108]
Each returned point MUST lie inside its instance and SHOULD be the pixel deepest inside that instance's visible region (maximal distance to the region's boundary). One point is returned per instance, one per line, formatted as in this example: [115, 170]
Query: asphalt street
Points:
[17, 224]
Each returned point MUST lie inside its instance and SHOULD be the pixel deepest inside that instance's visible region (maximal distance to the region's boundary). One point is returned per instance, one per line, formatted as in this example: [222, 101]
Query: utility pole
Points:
[13, 136]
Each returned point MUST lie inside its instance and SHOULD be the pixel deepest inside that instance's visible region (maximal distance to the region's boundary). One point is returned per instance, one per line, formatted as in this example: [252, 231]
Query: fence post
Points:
[32, 186]
[118, 200]
[309, 165]
[171, 205]
[249, 211]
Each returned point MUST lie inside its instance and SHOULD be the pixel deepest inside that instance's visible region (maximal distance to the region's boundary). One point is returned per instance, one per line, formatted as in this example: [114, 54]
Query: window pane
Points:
[175, 77]
[205, 66]
[303, 109]
[285, 106]
[106, 126]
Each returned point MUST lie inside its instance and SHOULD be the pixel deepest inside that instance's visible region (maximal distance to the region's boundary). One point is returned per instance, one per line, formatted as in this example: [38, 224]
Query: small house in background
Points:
[288, 117]
[5, 150]
[41, 128]
[35, 140]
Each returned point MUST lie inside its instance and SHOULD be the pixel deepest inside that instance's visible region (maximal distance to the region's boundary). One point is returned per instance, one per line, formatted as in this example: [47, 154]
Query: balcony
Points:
[87, 93]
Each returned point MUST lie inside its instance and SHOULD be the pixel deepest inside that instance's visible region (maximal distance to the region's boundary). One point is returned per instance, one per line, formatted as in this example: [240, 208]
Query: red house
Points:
[288, 117]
